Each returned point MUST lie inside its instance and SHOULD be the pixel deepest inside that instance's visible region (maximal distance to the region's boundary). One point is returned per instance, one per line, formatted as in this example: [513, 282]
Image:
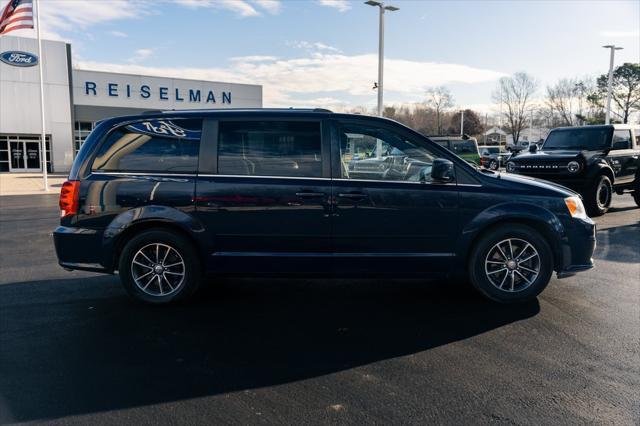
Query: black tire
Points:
[636, 192]
[525, 285]
[598, 196]
[493, 165]
[186, 276]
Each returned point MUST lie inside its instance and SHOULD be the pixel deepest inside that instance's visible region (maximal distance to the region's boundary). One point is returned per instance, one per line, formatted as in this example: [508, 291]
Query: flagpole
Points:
[43, 146]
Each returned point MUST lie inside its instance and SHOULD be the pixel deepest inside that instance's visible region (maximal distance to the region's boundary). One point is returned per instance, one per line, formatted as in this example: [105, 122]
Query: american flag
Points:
[16, 15]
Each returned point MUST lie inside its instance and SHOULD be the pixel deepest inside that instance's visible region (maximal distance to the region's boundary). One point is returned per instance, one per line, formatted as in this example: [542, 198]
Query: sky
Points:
[324, 53]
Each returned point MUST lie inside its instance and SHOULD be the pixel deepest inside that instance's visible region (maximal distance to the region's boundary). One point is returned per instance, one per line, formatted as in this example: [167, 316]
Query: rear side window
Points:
[270, 148]
[160, 146]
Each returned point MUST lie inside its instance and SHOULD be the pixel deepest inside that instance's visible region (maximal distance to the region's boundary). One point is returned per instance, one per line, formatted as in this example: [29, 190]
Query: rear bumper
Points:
[578, 247]
[80, 249]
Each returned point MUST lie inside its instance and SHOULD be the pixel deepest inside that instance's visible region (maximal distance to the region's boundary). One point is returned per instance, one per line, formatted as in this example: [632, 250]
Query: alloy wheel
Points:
[512, 265]
[158, 269]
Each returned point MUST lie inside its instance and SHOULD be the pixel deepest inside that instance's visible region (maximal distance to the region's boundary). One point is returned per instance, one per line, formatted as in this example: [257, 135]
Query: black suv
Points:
[168, 198]
[592, 160]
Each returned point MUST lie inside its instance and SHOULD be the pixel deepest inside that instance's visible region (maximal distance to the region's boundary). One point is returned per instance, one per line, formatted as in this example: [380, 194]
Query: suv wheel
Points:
[598, 198]
[512, 263]
[493, 165]
[159, 266]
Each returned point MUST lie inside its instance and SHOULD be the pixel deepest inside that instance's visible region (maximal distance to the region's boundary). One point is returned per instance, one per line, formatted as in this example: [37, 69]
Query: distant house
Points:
[495, 136]
[534, 135]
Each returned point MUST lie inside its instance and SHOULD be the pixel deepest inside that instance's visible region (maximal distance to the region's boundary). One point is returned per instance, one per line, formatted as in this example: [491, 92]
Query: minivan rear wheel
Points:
[159, 266]
[511, 263]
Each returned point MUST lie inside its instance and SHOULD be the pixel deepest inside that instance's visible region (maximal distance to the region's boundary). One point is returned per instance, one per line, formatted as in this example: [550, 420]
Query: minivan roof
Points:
[231, 112]
[200, 110]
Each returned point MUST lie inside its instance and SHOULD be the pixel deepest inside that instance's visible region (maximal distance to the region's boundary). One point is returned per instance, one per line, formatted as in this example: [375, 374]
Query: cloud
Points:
[243, 8]
[271, 6]
[119, 34]
[312, 46]
[620, 34]
[253, 58]
[341, 5]
[320, 79]
[140, 55]
[74, 16]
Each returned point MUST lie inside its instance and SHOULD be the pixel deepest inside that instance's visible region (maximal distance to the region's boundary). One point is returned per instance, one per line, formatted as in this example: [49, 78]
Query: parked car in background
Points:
[522, 145]
[493, 157]
[595, 161]
[464, 147]
[167, 198]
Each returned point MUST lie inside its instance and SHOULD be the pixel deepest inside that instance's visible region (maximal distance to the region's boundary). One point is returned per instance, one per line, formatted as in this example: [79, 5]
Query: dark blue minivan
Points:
[169, 198]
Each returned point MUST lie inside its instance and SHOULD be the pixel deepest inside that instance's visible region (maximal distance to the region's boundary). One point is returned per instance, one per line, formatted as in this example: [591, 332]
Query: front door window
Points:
[373, 153]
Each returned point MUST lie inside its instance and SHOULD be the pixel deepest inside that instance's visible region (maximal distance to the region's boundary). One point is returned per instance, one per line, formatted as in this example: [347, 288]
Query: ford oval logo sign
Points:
[19, 59]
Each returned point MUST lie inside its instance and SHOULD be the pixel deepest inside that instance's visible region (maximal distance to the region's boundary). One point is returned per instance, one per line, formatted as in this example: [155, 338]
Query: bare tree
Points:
[513, 94]
[563, 98]
[625, 93]
[440, 99]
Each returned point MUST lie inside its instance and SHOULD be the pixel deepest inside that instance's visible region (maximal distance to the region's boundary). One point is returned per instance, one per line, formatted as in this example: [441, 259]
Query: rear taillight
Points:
[69, 195]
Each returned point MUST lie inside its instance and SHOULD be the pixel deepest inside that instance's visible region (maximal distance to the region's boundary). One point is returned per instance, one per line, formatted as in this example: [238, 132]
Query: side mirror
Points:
[442, 170]
[533, 148]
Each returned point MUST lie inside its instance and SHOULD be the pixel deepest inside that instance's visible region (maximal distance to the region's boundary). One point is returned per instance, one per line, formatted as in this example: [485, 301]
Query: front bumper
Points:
[80, 249]
[577, 247]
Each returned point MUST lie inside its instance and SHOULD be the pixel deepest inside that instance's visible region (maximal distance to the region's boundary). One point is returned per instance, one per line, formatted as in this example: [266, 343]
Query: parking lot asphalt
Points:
[75, 349]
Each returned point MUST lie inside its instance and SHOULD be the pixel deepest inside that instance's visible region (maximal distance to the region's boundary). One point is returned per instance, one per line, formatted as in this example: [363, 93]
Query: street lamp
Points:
[382, 7]
[610, 82]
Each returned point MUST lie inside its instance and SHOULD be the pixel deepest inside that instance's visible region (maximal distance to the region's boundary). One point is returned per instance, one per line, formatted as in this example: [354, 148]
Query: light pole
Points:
[613, 49]
[381, 6]
[461, 122]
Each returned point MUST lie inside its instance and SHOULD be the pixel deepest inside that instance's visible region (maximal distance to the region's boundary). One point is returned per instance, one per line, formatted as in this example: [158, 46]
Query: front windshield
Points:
[579, 139]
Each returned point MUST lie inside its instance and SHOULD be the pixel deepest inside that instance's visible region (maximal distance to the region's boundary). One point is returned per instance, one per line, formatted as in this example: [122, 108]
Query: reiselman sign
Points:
[162, 93]
[109, 89]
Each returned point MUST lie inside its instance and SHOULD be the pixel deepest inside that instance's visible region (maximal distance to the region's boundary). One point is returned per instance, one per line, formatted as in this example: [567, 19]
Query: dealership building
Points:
[76, 99]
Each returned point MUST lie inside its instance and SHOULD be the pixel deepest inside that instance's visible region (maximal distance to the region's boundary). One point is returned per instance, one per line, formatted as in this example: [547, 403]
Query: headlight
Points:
[511, 167]
[573, 167]
[576, 208]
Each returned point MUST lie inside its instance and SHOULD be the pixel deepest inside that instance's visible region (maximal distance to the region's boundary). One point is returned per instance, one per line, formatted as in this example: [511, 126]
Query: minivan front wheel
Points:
[511, 263]
[159, 266]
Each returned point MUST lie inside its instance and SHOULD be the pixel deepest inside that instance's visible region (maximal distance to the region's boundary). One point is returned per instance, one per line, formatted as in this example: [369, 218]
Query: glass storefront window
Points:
[22, 153]
[81, 131]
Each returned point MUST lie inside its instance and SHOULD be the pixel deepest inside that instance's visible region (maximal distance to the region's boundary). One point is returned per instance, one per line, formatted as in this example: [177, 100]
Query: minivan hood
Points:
[529, 183]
